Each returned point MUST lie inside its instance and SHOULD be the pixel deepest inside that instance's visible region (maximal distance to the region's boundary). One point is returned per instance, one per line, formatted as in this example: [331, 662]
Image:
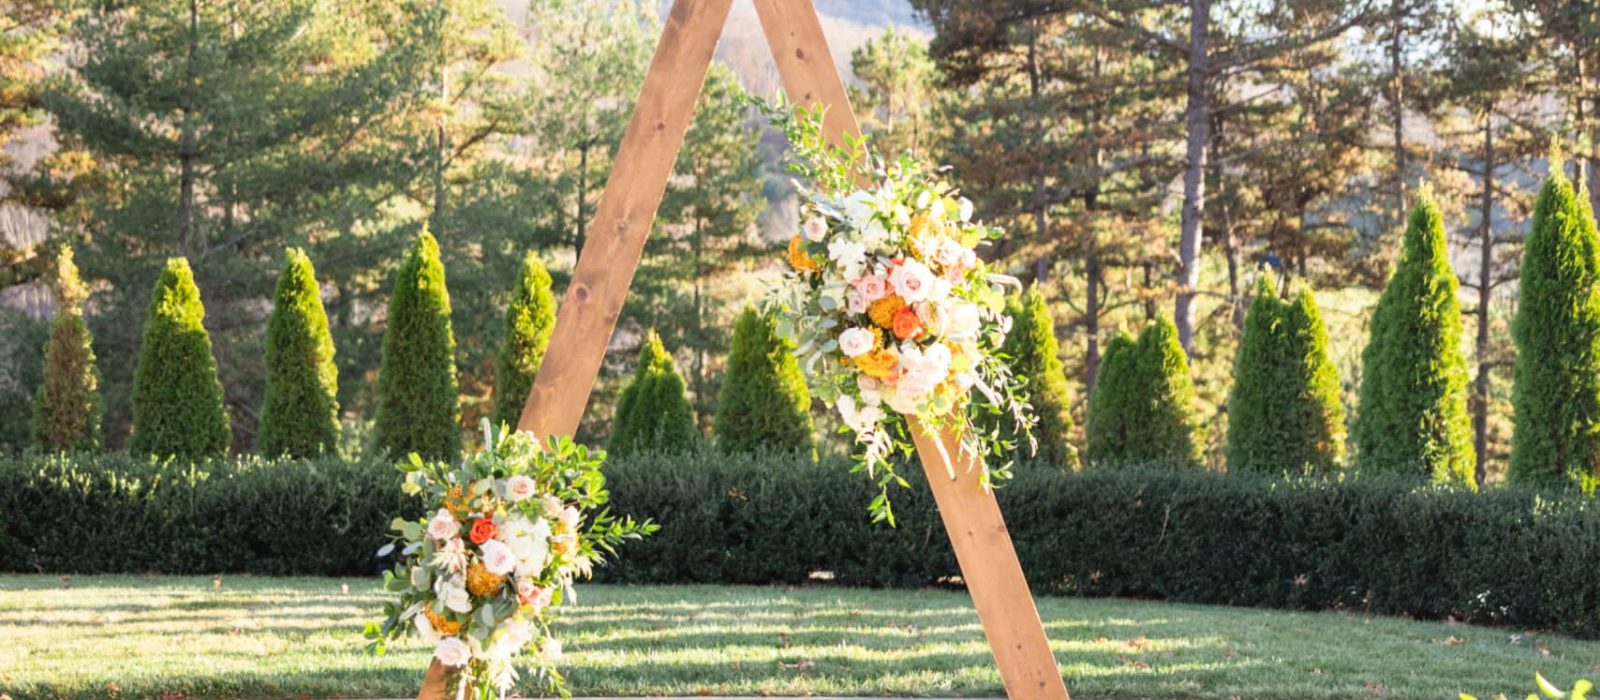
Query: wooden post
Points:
[593, 301]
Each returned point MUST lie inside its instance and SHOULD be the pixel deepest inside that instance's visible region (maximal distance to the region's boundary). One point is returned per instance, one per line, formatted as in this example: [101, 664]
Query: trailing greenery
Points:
[1142, 410]
[1413, 413]
[419, 409]
[1388, 545]
[653, 413]
[530, 318]
[1033, 353]
[177, 400]
[1284, 412]
[66, 413]
[764, 404]
[301, 414]
[1556, 396]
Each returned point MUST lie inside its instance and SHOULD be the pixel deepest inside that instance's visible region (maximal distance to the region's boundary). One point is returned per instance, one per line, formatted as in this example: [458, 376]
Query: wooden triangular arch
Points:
[605, 269]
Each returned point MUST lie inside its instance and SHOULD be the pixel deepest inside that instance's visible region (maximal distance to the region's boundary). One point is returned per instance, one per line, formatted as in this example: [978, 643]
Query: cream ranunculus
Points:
[519, 488]
[443, 526]
[815, 229]
[912, 280]
[452, 652]
[856, 341]
[497, 557]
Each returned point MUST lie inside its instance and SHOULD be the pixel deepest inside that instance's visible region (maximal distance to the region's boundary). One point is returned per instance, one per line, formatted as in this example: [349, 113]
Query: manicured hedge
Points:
[1380, 545]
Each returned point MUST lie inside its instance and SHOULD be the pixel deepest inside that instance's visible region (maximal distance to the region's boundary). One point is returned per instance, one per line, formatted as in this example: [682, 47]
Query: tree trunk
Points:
[440, 144]
[1041, 222]
[1197, 120]
[186, 150]
[1091, 315]
[1593, 76]
[1397, 110]
[1480, 409]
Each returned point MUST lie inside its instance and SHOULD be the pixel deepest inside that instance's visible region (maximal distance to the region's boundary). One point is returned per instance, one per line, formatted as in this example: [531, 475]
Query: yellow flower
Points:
[440, 624]
[960, 361]
[798, 258]
[923, 235]
[481, 583]
[878, 364]
[883, 310]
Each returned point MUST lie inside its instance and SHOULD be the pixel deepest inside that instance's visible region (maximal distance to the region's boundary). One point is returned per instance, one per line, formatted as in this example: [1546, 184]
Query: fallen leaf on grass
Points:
[1229, 653]
[1138, 643]
[1316, 671]
[1454, 641]
[1376, 687]
[703, 692]
[1544, 649]
[800, 665]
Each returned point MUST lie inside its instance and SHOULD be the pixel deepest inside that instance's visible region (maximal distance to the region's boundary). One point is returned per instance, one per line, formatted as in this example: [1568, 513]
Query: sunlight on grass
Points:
[266, 637]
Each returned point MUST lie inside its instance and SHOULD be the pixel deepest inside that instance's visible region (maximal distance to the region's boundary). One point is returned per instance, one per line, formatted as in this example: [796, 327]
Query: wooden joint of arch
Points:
[605, 269]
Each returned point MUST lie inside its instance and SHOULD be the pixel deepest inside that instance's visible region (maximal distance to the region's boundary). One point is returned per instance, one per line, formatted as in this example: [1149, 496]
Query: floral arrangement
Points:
[890, 308]
[483, 570]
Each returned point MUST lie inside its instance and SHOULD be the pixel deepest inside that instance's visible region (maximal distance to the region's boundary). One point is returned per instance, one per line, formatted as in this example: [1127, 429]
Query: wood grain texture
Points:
[990, 568]
[623, 218]
[436, 684]
[794, 32]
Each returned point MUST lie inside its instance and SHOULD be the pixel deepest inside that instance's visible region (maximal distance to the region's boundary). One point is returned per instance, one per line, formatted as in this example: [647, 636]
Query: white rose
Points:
[532, 553]
[552, 506]
[497, 557]
[900, 401]
[949, 252]
[550, 651]
[873, 234]
[815, 229]
[569, 517]
[912, 280]
[854, 342]
[519, 488]
[965, 322]
[857, 209]
[456, 599]
[452, 652]
[443, 526]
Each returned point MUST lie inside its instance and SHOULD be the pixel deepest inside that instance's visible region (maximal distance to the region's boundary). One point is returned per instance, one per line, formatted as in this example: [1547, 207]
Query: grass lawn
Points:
[175, 637]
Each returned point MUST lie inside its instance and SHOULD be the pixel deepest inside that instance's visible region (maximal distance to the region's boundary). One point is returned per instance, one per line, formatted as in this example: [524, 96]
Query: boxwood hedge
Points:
[1369, 544]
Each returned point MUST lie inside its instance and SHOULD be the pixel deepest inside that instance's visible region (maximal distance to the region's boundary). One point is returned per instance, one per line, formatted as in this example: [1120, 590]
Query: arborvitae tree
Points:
[301, 414]
[653, 412]
[1556, 400]
[1284, 413]
[530, 318]
[419, 408]
[1170, 435]
[1114, 403]
[66, 414]
[764, 404]
[1142, 411]
[1034, 355]
[1413, 412]
[177, 400]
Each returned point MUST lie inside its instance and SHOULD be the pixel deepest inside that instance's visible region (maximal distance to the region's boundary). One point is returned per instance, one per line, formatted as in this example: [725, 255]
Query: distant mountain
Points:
[873, 13]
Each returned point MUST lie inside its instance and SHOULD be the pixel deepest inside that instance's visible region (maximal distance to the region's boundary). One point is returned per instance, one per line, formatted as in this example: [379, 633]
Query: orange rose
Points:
[906, 324]
[483, 530]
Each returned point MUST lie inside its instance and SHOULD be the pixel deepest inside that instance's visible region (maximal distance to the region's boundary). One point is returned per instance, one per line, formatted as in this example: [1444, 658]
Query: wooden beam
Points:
[990, 569]
[805, 64]
[627, 209]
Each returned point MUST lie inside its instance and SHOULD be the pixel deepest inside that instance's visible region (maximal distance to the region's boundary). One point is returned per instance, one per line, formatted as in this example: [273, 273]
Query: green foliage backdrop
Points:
[177, 400]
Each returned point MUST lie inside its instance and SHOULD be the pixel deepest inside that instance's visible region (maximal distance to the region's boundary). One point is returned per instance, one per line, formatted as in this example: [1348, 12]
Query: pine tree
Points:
[764, 404]
[1035, 356]
[177, 400]
[418, 405]
[66, 414]
[653, 413]
[1142, 410]
[1556, 397]
[530, 318]
[301, 415]
[1284, 414]
[1413, 412]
